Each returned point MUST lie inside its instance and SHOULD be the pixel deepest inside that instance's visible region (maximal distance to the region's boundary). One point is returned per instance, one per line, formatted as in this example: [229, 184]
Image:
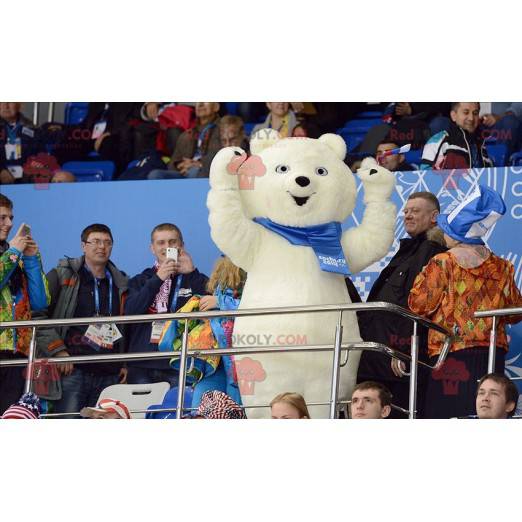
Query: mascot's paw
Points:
[225, 166]
[378, 182]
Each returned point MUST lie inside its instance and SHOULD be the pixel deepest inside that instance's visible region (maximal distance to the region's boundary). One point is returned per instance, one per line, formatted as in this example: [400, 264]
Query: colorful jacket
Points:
[23, 287]
[449, 294]
[455, 149]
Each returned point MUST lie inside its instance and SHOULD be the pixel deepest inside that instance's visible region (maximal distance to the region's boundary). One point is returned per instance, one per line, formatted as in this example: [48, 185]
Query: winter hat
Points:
[27, 407]
[108, 405]
[218, 405]
[473, 217]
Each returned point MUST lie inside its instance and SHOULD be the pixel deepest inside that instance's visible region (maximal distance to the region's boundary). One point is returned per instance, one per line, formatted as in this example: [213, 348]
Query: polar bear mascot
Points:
[277, 214]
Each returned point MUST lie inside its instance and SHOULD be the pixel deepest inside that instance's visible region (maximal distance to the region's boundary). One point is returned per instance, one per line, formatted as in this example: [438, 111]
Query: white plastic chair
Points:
[136, 396]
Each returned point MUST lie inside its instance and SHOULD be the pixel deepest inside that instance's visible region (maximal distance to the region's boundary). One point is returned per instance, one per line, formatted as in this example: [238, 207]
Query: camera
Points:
[172, 253]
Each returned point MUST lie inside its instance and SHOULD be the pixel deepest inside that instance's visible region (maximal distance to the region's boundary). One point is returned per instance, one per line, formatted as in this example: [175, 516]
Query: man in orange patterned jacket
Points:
[451, 288]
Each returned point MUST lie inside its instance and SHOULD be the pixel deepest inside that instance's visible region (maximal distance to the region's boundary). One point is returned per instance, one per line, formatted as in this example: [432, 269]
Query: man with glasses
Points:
[87, 286]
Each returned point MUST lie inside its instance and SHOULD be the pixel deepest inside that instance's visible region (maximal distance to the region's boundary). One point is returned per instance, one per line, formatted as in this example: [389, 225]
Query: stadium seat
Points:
[170, 401]
[249, 127]
[352, 138]
[369, 115]
[90, 170]
[231, 108]
[498, 153]
[413, 157]
[75, 112]
[361, 125]
[136, 396]
[516, 159]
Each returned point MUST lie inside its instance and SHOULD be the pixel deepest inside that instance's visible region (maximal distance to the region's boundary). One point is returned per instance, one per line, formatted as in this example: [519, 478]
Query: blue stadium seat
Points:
[498, 153]
[231, 108]
[170, 401]
[516, 159]
[352, 138]
[75, 112]
[90, 170]
[361, 125]
[249, 127]
[413, 157]
[369, 115]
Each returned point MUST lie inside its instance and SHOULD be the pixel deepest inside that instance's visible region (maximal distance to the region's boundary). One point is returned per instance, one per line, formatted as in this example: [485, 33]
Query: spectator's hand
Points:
[123, 375]
[297, 106]
[19, 241]
[403, 109]
[6, 177]
[151, 110]
[398, 368]
[184, 264]
[65, 368]
[490, 119]
[208, 302]
[166, 269]
[99, 140]
[31, 248]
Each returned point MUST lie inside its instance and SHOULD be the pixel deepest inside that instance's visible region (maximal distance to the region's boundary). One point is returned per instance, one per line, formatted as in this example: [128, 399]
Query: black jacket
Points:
[142, 292]
[393, 286]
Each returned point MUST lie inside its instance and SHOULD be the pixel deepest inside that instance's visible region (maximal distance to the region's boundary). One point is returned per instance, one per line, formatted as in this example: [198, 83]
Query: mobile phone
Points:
[25, 230]
[172, 253]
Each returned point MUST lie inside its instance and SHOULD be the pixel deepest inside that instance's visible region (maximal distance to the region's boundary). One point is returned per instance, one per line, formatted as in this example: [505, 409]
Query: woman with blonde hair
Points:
[289, 405]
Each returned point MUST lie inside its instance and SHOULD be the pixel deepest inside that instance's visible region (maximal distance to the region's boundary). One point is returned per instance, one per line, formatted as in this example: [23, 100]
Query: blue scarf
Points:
[324, 239]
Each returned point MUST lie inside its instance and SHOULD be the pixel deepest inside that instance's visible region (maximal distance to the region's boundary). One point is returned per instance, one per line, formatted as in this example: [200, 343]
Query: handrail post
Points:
[492, 346]
[29, 369]
[412, 405]
[336, 367]
[50, 111]
[35, 113]
[182, 371]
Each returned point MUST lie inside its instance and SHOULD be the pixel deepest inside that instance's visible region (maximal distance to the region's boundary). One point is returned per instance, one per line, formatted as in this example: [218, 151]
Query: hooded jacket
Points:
[64, 284]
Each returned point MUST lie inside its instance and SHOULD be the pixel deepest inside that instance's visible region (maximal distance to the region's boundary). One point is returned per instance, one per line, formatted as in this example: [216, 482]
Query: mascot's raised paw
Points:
[378, 182]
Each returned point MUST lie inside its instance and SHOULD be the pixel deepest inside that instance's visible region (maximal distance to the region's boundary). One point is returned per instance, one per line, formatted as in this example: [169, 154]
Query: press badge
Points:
[102, 336]
[13, 151]
[98, 130]
[157, 328]
[16, 171]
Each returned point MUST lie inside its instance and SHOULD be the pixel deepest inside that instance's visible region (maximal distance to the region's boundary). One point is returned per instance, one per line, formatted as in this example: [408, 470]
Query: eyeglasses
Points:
[100, 242]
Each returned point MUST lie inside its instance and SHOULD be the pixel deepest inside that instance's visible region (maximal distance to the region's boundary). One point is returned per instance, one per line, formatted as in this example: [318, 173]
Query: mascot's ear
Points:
[336, 143]
[263, 139]
[368, 163]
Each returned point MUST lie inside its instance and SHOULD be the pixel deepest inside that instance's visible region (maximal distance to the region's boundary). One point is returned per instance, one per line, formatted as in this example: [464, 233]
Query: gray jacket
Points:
[64, 283]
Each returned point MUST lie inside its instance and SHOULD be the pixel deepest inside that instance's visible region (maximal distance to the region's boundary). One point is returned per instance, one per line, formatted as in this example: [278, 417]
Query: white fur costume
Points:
[283, 274]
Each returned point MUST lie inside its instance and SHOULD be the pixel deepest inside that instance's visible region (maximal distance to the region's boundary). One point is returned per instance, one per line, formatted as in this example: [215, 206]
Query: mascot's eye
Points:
[321, 171]
[282, 169]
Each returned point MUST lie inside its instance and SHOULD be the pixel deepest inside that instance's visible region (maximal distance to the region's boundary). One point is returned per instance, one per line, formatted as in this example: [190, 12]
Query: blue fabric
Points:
[220, 381]
[324, 239]
[478, 211]
[35, 283]
[171, 401]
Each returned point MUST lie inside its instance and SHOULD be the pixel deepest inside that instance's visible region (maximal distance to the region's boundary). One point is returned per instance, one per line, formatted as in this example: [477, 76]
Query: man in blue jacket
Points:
[165, 287]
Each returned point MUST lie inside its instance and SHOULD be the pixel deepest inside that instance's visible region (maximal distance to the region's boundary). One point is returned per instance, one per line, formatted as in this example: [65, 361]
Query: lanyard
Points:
[201, 137]
[97, 291]
[176, 293]
[12, 133]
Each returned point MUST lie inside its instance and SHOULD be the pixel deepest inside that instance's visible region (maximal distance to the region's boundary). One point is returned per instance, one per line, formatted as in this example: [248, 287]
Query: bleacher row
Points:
[353, 132]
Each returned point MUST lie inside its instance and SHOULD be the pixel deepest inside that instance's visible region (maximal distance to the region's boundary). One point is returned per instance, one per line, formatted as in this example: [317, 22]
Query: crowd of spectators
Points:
[167, 140]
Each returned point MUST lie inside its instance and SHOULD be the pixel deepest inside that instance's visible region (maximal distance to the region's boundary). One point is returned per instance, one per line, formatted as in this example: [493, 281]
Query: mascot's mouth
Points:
[301, 201]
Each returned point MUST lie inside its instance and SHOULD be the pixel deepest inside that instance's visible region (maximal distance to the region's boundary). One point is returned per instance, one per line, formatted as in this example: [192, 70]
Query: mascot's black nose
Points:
[373, 171]
[302, 181]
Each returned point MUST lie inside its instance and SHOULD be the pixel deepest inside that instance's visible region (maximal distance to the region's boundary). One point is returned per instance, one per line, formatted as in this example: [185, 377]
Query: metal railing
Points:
[501, 312]
[337, 347]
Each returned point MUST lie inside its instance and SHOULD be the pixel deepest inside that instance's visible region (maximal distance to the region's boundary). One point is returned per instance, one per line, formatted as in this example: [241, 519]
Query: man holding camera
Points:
[164, 288]
[23, 289]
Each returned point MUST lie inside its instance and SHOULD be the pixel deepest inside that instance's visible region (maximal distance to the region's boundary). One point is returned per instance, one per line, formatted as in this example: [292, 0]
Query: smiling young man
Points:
[393, 286]
[23, 290]
[497, 397]
[370, 400]
[86, 286]
[461, 147]
[165, 287]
